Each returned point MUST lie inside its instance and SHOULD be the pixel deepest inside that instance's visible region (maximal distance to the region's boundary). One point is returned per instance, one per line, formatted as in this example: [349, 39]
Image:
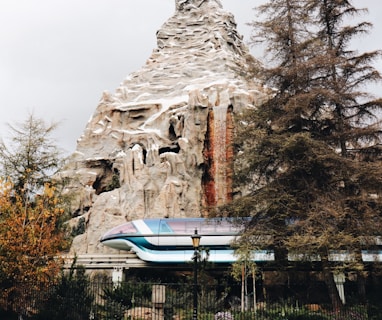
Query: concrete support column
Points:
[339, 279]
[118, 275]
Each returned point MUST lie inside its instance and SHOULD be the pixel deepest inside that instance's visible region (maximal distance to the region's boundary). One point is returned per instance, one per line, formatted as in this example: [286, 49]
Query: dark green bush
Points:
[8, 315]
[70, 299]
[117, 299]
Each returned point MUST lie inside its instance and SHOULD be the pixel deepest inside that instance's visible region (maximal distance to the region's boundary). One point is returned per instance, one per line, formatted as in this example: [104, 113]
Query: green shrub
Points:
[118, 299]
[70, 299]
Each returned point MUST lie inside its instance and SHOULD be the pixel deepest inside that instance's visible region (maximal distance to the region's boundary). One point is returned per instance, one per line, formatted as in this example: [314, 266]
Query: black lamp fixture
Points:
[195, 239]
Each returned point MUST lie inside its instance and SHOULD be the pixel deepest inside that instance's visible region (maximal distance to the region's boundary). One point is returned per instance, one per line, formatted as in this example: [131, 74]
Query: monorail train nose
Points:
[116, 243]
[116, 238]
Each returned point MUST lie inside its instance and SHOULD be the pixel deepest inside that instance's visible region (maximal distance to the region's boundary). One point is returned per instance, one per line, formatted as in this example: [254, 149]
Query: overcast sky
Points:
[58, 56]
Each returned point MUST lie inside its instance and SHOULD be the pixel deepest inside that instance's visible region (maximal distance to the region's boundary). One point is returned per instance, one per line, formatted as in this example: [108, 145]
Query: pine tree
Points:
[71, 298]
[31, 157]
[310, 157]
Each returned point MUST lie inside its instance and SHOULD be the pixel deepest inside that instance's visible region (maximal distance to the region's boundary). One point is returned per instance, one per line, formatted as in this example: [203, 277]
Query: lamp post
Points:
[195, 243]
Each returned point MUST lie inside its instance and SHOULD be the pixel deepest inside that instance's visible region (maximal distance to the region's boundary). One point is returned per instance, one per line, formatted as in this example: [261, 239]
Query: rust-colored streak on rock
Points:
[218, 154]
[208, 184]
[229, 155]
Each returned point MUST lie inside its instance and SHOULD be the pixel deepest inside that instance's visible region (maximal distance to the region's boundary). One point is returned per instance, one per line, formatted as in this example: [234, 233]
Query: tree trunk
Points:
[281, 256]
[361, 281]
[361, 284]
[254, 289]
[242, 289]
[330, 284]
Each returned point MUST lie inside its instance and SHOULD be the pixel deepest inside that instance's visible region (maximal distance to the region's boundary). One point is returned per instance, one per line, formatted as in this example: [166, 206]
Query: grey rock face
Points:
[157, 147]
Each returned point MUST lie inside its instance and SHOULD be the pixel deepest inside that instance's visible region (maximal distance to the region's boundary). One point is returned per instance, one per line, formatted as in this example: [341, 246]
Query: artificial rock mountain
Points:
[159, 146]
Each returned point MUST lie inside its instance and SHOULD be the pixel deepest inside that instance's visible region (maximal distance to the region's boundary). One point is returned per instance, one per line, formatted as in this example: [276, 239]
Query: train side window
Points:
[177, 226]
[192, 225]
[164, 228]
[208, 228]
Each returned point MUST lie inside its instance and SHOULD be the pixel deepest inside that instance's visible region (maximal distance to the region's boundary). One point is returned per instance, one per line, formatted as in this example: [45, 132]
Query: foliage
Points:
[124, 296]
[8, 315]
[245, 260]
[245, 267]
[129, 294]
[79, 228]
[31, 157]
[70, 299]
[310, 157]
[288, 312]
[32, 214]
[30, 240]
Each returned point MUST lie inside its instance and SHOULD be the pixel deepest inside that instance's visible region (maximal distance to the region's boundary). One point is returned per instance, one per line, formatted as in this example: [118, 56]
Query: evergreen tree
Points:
[31, 157]
[71, 299]
[310, 157]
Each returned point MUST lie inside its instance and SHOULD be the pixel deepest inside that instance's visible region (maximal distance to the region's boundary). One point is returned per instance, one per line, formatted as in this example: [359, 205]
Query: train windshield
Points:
[126, 228]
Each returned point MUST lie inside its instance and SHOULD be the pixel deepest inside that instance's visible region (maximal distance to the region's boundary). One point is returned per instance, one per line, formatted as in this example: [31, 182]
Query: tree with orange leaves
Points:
[31, 238]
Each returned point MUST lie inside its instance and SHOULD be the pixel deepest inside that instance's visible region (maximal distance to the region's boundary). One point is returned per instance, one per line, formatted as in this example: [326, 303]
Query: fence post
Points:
[158, 301]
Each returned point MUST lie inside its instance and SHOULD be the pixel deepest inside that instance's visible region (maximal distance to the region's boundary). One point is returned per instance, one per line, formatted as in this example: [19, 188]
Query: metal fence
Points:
[148, 301]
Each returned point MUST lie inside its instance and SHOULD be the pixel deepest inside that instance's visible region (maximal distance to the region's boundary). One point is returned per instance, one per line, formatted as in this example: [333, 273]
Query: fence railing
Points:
[147, 301]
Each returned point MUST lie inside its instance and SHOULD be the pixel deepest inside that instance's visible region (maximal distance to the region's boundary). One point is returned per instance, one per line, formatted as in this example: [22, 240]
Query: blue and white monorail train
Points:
[169, 240]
